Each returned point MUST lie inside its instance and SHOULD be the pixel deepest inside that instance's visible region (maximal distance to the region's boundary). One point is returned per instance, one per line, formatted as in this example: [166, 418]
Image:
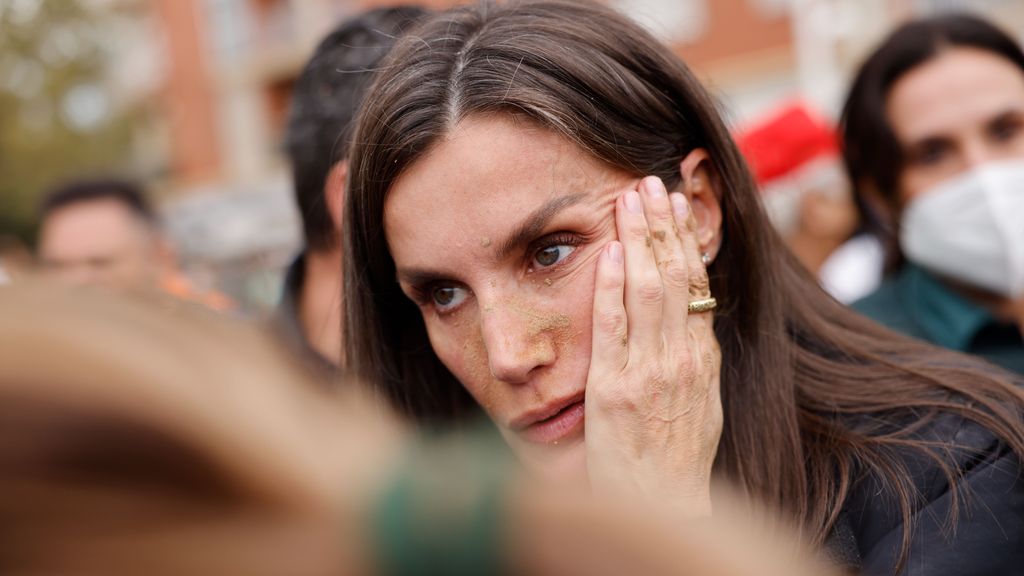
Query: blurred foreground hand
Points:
[139, 439]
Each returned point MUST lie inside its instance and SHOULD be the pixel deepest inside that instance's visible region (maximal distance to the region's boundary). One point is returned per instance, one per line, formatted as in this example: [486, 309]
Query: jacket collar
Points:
[947, 318]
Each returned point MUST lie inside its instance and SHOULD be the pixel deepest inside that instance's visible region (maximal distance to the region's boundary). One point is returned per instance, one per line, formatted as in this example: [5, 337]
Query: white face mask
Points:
[971, 228]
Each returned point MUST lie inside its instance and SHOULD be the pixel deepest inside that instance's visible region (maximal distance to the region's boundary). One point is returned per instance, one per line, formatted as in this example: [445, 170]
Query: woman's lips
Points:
[566, 422]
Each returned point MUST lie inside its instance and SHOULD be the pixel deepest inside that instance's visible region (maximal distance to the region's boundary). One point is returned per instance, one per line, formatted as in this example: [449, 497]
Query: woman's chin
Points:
[561, 463]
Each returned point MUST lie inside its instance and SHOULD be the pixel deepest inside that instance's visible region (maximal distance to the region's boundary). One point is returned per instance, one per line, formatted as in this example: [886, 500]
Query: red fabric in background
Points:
[785, 140]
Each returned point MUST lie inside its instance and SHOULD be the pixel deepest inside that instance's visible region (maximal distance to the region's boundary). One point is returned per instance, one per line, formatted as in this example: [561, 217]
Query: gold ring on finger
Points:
[703, 305]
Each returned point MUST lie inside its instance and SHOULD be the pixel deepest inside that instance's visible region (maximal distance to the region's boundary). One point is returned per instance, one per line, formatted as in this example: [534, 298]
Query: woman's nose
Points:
[515, 346]
[977, 152]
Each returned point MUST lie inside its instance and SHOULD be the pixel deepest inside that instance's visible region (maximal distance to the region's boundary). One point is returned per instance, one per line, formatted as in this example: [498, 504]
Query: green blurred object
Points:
[443, 512]
[57, 116]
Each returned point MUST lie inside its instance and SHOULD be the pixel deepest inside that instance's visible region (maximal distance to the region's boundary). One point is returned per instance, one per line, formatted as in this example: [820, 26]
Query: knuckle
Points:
[657, 381]
[709, 362]
[676, 274]
[611, 322]
[686, 368]
[609, 281]
[650, 292]
[664, 216]
[638, 232]
[613, 399]
[698, 282]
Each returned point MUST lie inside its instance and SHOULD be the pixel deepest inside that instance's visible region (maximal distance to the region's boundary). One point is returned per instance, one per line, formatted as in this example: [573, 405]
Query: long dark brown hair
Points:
[872, 154]
[804, 380]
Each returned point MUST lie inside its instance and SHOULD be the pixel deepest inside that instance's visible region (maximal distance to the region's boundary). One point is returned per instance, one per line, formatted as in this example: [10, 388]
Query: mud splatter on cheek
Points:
[547, 330]
[541, 337]
[566, 336]
[474, 359]
[541, 322]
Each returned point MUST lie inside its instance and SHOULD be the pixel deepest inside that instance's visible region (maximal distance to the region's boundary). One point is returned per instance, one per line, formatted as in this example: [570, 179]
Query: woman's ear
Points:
[701, 186]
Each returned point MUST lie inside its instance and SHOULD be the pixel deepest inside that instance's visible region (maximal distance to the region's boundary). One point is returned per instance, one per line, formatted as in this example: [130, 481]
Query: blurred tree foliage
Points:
[57, 117]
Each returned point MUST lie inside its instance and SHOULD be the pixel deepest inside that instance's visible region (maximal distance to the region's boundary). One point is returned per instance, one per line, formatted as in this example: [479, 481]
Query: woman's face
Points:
[495, 234]
[957, 111]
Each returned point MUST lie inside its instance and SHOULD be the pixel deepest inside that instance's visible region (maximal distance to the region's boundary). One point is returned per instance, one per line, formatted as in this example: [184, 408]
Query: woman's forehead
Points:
[960, 87]
[490, 169]
[486, 194]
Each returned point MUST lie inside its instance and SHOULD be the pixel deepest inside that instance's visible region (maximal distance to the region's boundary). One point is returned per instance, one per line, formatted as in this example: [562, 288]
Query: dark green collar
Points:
[947, 318]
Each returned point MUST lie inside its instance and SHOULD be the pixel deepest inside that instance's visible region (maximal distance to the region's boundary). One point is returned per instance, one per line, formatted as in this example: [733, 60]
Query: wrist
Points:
[693, 501]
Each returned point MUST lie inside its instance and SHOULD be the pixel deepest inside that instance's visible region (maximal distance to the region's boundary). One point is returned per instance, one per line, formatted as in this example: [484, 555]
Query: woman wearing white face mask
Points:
[934, 142]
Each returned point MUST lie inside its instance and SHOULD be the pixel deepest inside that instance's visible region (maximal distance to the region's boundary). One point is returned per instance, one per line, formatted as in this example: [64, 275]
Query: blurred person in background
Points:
[101, 232]
[187, 443]
[794, 154]
[15, 259]
[324, 103]
[104, 232]
[933, 129]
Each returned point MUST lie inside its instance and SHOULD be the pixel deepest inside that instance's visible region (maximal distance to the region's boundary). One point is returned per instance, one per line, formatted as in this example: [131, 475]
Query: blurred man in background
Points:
[102, 232]
[794, 154]
[324, 104]
[105, 233]
[15, 258]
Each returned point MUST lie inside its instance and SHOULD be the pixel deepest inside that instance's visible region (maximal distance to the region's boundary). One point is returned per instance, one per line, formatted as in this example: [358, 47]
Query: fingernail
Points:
[615, 252]
[654, 187]
[679, 205]
[632, 200]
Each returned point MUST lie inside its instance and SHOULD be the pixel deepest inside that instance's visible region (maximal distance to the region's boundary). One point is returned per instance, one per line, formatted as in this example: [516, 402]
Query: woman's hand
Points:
[653, 408]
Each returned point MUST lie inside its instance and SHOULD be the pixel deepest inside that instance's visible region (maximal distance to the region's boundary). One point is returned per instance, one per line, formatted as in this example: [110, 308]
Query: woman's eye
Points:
[1004, 130]
[447, 298]
[930, 153]
[547, 257]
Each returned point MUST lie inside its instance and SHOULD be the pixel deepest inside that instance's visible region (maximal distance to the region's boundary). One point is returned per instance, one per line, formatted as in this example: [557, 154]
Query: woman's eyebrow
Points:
[521, 235]
[1010, 115]
[418, 276]
[532, 225]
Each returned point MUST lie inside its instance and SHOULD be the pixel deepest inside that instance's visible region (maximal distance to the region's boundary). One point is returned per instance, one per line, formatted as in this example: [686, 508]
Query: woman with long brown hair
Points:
[548, 220]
